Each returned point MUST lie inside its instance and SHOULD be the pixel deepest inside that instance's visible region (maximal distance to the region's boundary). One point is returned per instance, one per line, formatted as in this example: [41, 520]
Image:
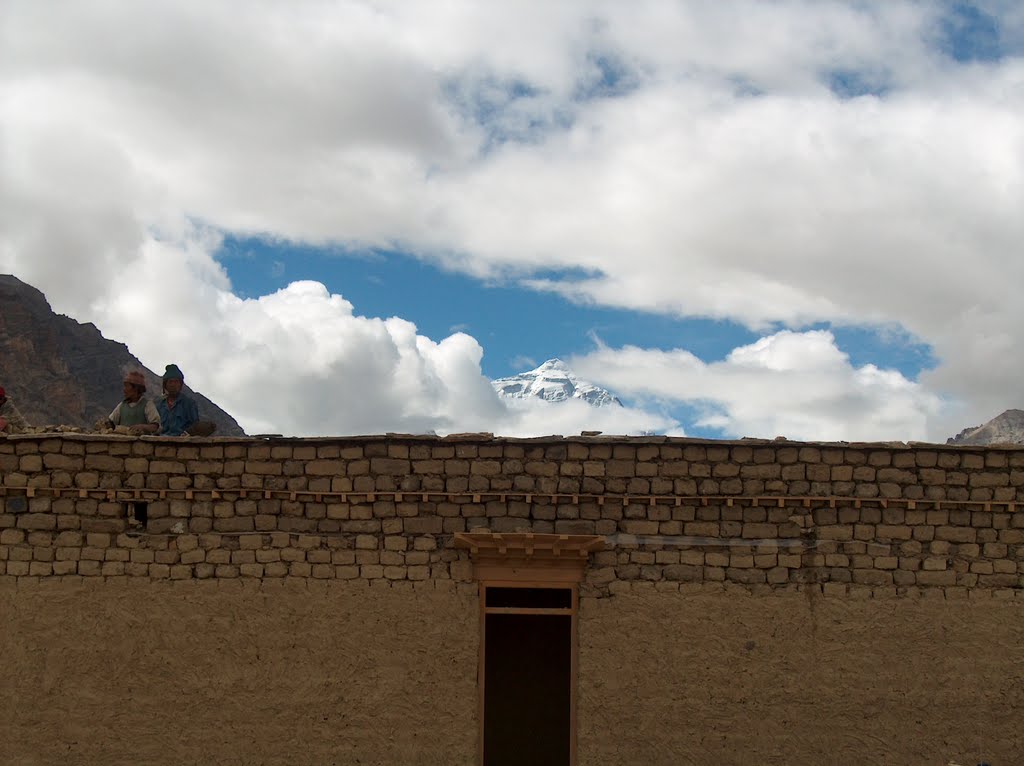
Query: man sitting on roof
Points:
[178, 411]
[11, 421]
[136, 411]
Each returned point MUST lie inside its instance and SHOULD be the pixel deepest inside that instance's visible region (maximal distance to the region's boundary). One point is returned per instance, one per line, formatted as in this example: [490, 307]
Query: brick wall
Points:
[865, 519]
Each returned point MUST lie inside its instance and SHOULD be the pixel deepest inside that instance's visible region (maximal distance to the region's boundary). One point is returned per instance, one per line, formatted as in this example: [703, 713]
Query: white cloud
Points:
[798, 385]
[723, 179]
[301, 362]
[533, 417]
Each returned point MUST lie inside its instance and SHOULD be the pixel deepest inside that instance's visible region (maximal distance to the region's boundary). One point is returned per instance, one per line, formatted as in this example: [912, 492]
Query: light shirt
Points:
[135, 413]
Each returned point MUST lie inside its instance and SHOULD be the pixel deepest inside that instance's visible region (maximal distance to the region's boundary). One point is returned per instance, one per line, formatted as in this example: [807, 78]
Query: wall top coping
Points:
[488, 438]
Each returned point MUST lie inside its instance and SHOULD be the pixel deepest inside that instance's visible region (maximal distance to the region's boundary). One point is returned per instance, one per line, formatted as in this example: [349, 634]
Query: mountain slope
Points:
[60, 372]
[1007, 428]
[553, 381]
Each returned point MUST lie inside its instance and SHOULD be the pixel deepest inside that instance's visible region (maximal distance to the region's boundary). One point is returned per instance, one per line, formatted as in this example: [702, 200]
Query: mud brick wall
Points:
[867, 519]
[301, 601]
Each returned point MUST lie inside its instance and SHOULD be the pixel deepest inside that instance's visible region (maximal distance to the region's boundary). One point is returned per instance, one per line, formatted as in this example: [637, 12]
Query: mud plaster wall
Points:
[237, 673]
[790, 679]
[338, 673]
[756, 603]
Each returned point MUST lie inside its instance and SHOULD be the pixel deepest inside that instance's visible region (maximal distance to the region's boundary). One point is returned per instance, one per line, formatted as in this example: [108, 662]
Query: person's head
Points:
[134, 386]
[173, 380]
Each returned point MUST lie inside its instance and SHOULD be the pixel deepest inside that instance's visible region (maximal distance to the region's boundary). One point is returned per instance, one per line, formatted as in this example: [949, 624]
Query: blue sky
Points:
[745, 219]
[519, 327]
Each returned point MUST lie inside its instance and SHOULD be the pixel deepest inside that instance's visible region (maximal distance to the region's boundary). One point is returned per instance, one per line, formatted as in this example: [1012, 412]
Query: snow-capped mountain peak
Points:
[553, 381]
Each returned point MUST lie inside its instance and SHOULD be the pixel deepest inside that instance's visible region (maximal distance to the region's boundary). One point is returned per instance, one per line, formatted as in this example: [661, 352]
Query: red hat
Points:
[3, 394]
[136, 379]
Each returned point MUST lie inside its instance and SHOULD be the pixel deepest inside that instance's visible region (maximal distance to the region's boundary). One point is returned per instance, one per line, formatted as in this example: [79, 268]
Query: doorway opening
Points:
[528, 674]
[528, 627]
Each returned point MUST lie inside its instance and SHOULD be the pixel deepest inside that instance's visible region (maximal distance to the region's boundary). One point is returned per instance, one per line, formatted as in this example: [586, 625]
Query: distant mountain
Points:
[60, 372]
[1007, 428]
[553, 381]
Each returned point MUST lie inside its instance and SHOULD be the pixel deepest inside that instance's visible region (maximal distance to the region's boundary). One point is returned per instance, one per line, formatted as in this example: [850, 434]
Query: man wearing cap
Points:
[136, 411]
[178, 411]
[11, 420]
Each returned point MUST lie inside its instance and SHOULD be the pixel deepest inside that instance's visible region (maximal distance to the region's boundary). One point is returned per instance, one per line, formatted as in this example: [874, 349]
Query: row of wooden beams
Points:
[532, 498]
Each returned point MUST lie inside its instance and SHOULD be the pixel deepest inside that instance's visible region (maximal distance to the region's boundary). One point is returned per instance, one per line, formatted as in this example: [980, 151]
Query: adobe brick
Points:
[756, 530]
[896, 475]
[761, 471]
[683, 572]
[947, 577]
[893, 532]
[166, 467]
[957, 534]
[325, 467]
[872, 577]
[972, 461]
[879, 458]
[989, 480]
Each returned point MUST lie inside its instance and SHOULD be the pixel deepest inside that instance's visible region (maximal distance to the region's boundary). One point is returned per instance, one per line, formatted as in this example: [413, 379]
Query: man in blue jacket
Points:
[178, 411]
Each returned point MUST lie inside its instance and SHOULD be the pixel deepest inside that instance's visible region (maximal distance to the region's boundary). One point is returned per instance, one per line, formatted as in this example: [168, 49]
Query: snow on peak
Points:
[553, 381]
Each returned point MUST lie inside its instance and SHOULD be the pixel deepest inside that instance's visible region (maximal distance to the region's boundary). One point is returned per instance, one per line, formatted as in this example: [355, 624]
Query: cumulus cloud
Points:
[298, 360]
[302, 362]
[798, 385]
[770, 164]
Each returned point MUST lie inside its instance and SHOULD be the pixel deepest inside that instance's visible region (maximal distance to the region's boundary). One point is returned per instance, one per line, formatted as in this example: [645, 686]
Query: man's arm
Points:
[152, 424]
[192, 414]
[14, 418]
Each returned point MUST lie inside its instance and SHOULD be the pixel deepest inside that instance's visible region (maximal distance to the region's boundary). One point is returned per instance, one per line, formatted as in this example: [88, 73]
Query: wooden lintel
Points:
[522, 556]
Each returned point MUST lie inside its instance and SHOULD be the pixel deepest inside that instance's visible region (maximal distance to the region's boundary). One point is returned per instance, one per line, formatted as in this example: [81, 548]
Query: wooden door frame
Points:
[528, 560]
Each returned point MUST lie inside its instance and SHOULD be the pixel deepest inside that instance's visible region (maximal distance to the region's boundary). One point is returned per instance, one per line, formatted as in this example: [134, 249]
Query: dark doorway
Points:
[527, 689]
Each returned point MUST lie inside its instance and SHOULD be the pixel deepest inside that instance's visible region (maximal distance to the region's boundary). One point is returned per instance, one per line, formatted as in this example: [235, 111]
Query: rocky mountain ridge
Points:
[1006, 428]
[62, 372]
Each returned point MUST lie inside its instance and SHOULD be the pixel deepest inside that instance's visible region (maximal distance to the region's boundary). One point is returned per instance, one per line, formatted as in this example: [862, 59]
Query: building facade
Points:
[469, 599]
